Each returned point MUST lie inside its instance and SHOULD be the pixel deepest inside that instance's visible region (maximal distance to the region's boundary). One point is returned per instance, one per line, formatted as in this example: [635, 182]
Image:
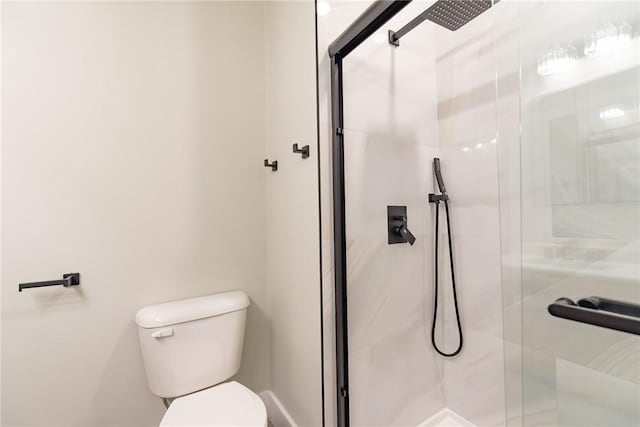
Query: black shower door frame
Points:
[364, 26]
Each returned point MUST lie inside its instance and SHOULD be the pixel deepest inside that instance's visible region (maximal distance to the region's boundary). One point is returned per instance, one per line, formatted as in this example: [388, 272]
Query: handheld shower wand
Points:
[438, 174]
[436, 199]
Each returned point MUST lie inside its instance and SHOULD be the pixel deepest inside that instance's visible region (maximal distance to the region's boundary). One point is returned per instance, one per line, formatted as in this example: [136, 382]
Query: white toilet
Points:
[190, 345]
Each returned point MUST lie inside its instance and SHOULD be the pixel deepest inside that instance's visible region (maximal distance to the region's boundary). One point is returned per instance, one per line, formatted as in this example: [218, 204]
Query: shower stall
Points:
[532, 109]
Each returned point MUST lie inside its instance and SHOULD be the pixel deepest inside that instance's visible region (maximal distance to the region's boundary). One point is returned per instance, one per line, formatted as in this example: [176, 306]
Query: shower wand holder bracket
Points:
[437, 198]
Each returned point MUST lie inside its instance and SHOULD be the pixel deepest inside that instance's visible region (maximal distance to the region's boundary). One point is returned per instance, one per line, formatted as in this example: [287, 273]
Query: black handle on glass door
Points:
[607, 313]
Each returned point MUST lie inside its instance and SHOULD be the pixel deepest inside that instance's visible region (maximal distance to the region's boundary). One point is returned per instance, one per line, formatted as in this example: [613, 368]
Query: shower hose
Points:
[453, 285]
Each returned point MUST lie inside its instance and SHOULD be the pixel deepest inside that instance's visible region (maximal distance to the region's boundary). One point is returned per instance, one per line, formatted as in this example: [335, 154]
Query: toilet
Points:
[190, 348]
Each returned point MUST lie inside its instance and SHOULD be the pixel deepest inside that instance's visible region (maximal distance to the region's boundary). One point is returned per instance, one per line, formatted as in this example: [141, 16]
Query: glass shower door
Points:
[580, 220]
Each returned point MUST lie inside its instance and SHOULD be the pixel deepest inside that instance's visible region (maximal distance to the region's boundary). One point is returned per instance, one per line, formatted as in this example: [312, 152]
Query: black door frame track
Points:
[364, 26]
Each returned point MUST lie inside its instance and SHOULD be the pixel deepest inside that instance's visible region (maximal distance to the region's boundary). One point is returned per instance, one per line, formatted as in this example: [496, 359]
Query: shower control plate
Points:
[396, 218]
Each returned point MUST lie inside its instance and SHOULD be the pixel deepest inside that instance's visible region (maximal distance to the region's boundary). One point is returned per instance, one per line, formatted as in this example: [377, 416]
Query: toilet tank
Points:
[192, 344]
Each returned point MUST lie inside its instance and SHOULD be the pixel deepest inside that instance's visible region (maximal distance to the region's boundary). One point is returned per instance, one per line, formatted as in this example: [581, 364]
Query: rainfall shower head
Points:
[453, 14]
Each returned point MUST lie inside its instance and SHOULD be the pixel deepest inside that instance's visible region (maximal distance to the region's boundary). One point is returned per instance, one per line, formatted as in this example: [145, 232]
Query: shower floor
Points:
[446, 418]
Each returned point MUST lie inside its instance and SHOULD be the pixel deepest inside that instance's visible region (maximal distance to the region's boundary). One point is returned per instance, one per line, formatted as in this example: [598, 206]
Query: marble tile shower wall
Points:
[467, 123]
[403, 107]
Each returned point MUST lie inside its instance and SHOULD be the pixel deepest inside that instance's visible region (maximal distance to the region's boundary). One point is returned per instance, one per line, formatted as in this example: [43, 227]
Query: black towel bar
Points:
[69, 279]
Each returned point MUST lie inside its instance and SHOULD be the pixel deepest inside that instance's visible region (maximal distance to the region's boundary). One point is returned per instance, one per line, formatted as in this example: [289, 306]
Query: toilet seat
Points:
[225, 405]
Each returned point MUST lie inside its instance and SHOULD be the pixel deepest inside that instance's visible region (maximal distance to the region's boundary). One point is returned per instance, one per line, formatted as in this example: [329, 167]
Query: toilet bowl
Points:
[228, 404]
[190, 348]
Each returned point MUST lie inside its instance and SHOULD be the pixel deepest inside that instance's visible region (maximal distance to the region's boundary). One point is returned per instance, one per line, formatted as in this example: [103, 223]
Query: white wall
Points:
[133, 137]
[293, 251]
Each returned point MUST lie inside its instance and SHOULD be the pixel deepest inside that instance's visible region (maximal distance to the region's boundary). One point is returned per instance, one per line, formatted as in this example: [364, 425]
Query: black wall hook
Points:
[273, 165]
[304, 150]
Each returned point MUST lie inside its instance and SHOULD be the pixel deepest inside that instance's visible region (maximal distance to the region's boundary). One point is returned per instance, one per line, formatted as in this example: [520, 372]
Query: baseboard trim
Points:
[276, 412]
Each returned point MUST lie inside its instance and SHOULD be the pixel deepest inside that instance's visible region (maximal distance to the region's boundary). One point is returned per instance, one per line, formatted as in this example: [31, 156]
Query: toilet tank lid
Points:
[186, 310]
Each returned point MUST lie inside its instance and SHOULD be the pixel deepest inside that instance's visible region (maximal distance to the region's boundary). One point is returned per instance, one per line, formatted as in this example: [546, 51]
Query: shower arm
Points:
[451, 14]
[395, 36]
